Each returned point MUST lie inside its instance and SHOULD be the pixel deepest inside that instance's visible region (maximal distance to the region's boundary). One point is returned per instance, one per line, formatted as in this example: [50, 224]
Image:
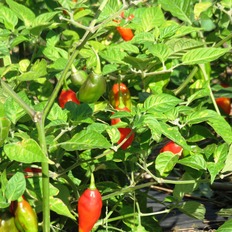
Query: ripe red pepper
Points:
[120, 90]
[25, 216]
[224, 103]
[172, 147]
[66, 96]
[89, 207]
[124, 132]
[126, 33]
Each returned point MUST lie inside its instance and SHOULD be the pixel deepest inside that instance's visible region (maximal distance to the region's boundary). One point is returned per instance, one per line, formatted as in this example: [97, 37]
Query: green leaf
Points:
[86, 139]
[58, 206]
[181, 189]
[161, 51]
[221, 127]
[4, 129]
[22, 12]
[193, 209]
[37, 71]
[226, 227]
[228, 162]
[13, 110]
[15, 187]
[203, 55]
[195, 161]
[182, 44]
[178, 8]
[198, 94]
[8, 18]
[226, 3]
[152, 123]
[57, 113]
[26, 151]
[18, 40]
[165, 162]
[173, 134]
[201, 7]
[147, 18]
[160, 102]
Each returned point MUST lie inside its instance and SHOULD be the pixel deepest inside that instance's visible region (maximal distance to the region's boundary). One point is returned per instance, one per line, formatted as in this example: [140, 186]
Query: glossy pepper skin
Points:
[172, 147]
[89, 207]
[124, 132]
[120, 90]
[25, 216]
[224, 103]
[126, 33]
[7, 223]
[78, 77]
[92, 89]
[66, 96]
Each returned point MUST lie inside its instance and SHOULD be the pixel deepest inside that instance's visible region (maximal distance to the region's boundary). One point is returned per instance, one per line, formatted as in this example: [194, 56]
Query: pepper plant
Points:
[175, 66]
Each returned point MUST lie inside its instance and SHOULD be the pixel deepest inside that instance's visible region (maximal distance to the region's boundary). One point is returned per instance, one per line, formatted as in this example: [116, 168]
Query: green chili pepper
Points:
[7, 223]
[25, 216]
[92, 89]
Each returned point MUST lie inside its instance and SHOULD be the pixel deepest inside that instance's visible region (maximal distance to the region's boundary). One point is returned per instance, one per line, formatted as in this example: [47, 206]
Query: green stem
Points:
[187, 80]
[45, 178]
[221, 42]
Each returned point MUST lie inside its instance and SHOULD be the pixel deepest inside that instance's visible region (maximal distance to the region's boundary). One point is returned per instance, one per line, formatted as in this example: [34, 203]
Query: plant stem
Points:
[187, 80]
[45, 178]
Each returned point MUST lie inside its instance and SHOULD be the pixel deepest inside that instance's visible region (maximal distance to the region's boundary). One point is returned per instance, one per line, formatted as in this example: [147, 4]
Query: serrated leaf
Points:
[194, 161]
[43, 19]
[15, 187]
[26, 151]
[178, 8]
[8, 18]
[214, 170]
[185, 30]
[23, 12]
[203, 55]
[193, 209]
[113, 55]
[86, 139]
[165, 162]
[57, 114]
[58, 206]
[160, 103]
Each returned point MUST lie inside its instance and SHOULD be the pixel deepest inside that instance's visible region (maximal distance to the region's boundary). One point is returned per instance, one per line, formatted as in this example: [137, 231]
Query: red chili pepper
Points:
[172, 147]
[66, 96]
[126, 33]
[120, 90]
[89, 207]
[224, 103]
[124, 132]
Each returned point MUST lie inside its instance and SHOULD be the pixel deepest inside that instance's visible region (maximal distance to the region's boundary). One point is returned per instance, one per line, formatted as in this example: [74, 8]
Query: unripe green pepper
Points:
[78, 77]
[7, 223]
[25, 216]
[92, 89]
